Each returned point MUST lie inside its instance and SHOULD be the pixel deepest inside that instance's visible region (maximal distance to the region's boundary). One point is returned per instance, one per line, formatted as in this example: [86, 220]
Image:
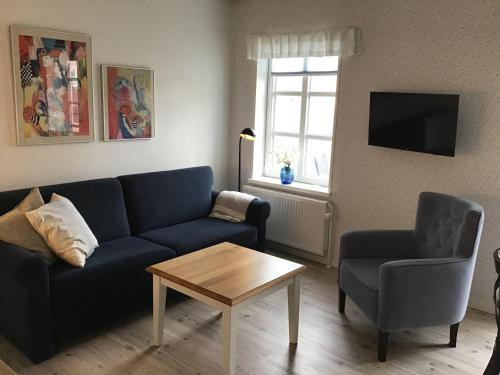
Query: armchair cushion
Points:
[359, 278]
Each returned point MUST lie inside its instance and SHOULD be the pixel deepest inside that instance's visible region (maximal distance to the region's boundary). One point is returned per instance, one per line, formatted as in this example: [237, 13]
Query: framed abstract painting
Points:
[53, 86]
[128, 103]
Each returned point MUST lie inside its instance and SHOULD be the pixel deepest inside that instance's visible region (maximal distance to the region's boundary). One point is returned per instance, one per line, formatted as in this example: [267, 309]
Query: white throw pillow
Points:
[64, 230]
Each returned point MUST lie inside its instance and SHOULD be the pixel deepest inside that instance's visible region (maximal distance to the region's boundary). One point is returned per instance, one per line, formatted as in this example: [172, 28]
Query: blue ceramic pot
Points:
[286, 175]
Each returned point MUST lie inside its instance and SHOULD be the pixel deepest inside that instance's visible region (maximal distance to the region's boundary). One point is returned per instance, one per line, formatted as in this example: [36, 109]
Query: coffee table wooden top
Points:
[227, 272]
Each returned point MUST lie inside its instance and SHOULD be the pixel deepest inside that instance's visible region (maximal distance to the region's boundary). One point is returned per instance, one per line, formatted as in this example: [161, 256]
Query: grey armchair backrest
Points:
[447, 226]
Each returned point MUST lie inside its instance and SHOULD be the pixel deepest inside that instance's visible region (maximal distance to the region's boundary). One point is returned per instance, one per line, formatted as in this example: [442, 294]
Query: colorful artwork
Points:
[52, 77]
[128, 103]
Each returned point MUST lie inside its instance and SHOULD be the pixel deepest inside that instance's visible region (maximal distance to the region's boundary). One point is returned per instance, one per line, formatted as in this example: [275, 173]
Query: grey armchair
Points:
[403, 279]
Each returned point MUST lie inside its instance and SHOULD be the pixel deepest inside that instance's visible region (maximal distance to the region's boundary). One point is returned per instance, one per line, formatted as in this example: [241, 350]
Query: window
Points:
[300, 117]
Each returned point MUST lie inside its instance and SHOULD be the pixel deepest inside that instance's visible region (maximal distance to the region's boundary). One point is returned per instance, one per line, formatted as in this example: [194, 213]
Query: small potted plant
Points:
[286, 173]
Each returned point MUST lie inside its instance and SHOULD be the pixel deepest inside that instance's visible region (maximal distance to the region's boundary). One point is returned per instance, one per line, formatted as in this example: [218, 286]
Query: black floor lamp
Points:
[249, 135]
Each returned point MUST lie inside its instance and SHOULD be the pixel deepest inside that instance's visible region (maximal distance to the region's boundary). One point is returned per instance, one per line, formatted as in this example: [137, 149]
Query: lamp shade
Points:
[248, 134]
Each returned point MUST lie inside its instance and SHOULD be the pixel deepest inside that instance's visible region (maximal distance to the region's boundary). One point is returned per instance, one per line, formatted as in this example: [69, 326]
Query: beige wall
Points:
[184, 41]
[443, 46]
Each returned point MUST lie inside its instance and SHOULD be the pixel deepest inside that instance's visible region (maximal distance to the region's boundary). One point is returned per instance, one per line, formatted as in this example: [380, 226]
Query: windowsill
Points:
[315, 191]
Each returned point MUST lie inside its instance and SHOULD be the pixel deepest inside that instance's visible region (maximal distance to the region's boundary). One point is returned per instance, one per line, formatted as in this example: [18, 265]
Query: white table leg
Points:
[159, 297]
[229, 329]
[293, 309]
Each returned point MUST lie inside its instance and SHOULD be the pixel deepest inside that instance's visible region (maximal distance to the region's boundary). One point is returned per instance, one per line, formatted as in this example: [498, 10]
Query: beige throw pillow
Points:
[64, 230]
[17, 230]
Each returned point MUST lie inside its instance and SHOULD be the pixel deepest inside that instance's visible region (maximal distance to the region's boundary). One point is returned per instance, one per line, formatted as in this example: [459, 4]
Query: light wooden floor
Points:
[328, 343]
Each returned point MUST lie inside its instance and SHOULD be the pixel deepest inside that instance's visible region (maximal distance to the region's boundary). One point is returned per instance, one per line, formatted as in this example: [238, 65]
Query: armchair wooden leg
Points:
[383, 340]
[341, 301]
[453, 335]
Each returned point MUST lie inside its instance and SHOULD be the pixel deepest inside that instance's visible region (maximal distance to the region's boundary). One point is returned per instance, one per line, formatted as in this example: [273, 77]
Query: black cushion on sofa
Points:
[100, 202]
[160, 199]
[115, 266]
[197, 234]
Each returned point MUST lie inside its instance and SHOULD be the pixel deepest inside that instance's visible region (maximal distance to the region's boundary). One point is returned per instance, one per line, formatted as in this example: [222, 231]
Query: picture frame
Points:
[128, 103]
[52, 73]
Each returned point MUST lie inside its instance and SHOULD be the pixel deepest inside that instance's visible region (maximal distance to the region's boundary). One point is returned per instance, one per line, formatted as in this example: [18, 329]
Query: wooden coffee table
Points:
[227, 277]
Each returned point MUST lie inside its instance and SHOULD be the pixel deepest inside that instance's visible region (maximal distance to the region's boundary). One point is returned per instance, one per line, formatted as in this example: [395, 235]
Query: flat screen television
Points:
[415, 122]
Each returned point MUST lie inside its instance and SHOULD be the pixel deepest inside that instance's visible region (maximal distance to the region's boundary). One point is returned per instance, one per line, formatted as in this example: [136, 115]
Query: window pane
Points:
[320, 116]
[284, 147]
[293, 83]
[322, 64]
[287, 113]
[317, 161]
[323, 83]
[295, 64]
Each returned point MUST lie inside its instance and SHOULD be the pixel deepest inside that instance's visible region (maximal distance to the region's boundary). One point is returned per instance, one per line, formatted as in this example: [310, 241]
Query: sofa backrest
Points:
[160, 199]
[100, 202]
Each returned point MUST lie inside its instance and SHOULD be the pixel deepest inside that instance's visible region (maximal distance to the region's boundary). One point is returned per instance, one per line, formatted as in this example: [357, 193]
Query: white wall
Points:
[184, 41]
[444, 46]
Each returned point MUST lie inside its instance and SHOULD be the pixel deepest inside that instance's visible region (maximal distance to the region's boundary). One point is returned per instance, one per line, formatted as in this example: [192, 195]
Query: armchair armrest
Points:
[377, 244]
[25, 316]
[423, 292]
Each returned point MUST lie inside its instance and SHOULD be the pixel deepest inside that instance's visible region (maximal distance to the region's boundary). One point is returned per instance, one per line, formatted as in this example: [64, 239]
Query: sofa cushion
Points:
[100, 202]
[64, 230]
[359, 279]
[17, 230]
[159, 199]
[198, 234]
[115, 266]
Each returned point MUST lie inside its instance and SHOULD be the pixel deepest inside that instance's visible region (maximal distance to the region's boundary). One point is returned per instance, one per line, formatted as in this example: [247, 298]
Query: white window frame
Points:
[299, 168]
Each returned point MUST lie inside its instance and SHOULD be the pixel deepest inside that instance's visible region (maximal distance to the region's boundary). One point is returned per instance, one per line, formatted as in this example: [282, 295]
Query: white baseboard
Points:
[482, 306]
[296, 252]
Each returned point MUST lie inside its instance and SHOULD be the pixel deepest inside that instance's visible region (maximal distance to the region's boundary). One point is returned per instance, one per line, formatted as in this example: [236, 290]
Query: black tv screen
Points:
[415, 122]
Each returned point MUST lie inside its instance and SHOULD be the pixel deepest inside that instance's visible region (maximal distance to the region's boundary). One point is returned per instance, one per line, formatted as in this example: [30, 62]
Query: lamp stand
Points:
[239, 166]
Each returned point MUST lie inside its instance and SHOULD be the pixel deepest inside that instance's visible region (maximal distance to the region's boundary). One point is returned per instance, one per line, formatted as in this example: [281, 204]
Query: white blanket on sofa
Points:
[232, 206]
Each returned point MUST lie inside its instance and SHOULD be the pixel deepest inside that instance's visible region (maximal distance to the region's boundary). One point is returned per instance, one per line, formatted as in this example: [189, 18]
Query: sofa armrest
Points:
[377, 244]
[25, 316]
[423, 292]
[257, 214]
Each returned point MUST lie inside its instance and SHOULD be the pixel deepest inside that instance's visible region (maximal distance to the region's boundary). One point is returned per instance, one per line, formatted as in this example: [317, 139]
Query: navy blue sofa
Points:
[139, 220]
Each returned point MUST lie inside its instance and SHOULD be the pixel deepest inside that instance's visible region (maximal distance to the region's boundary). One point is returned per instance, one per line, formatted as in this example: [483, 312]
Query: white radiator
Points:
[296, 221]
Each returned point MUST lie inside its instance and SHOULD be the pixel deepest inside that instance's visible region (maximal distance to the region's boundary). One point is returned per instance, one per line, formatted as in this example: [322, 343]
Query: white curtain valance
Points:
[342, 42]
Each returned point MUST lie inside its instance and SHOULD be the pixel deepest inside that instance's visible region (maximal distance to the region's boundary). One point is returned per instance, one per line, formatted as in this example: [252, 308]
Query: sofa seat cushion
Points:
[359, 279]
[114, 267]
[198, 234]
